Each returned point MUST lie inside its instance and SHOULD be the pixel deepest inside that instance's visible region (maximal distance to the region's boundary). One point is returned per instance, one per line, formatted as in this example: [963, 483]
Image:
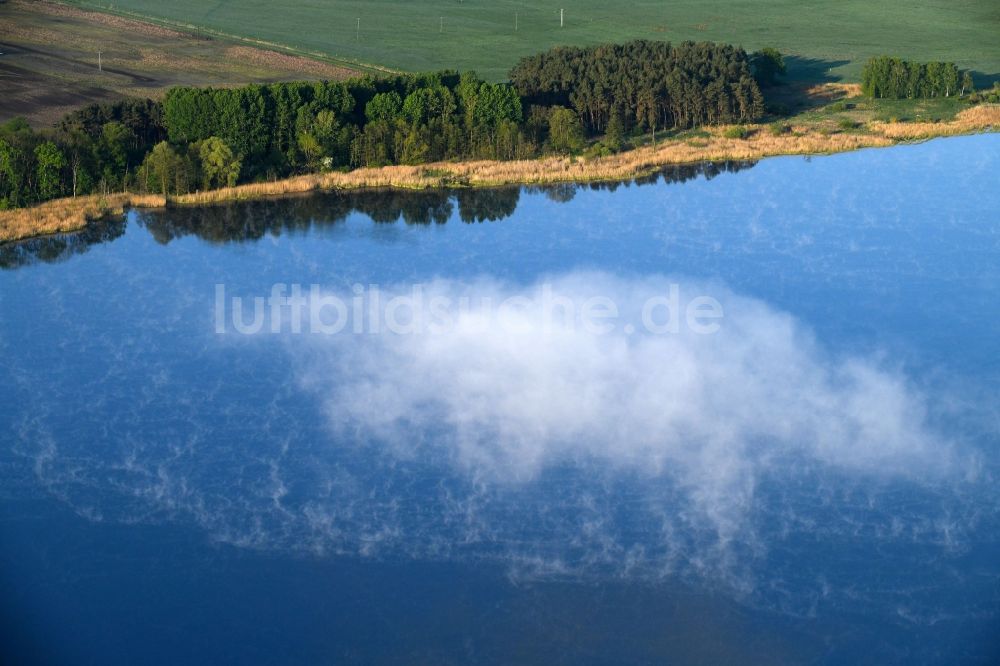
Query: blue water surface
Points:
[814, 483]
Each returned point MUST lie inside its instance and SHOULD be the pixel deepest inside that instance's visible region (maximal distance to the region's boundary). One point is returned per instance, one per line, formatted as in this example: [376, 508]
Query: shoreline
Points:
[69, 214]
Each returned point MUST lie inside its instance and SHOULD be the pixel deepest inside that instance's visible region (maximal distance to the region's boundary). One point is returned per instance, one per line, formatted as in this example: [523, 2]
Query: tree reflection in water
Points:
[253, 220]
[50, 249]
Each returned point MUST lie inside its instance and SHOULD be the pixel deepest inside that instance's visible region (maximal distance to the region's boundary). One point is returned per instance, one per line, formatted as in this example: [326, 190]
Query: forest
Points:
[644, 83]
[893, 78]
[204, 138]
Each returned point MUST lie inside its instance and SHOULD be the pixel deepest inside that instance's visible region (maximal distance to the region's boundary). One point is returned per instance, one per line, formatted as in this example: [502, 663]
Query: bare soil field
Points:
[49, 63]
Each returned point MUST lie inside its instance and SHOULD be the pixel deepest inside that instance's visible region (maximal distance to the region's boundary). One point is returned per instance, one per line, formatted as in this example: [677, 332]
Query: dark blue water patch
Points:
[173, 599]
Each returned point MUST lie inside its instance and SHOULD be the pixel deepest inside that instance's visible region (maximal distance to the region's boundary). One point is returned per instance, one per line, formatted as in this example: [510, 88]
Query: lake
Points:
[732, 413]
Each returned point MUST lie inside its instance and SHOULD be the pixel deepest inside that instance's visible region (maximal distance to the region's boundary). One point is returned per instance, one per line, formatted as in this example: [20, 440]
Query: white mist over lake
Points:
[707, 415]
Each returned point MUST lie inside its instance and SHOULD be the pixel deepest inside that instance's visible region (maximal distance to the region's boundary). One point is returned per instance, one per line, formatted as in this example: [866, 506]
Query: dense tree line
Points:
[646, 84]
[95, 149]
[201, 138]
[288, 128]
[894, 78]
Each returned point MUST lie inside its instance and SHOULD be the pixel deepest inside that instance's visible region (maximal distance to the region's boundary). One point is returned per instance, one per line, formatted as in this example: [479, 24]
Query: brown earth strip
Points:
[49, 64]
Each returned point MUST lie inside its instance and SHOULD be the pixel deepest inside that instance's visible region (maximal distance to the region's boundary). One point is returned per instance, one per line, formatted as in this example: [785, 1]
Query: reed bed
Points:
[70, 214]
[63, 215]
[983, 116]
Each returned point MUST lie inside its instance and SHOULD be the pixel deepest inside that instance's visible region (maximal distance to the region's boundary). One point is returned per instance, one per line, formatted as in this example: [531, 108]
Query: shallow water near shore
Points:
[811, 481]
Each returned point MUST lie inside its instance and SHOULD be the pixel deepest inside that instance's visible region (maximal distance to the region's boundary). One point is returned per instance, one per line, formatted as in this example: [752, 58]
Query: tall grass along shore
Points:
[746, 142]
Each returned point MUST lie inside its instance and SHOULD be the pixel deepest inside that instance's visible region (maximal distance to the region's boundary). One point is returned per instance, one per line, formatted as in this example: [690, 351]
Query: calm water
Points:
[813, 482]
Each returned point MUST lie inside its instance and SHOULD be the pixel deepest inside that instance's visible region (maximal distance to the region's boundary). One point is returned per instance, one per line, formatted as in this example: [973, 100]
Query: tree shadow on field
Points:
[801, 88]
[813, 70]
[983, 80]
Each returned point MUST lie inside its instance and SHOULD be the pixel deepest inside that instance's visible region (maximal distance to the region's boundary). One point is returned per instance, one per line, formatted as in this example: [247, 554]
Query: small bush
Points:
[599, 149]
[847, 124]
[777, 129]
[736, 132]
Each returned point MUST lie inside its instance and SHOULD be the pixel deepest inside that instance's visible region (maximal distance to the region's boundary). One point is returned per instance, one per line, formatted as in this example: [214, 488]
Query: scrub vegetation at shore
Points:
[815, 136]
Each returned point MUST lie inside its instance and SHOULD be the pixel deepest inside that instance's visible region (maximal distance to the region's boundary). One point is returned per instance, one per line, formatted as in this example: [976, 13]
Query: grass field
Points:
[49, 62]
[829, 38]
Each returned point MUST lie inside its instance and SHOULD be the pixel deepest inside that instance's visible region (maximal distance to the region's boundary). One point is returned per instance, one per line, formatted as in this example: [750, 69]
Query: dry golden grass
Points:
[981, 116]
[833, 91]
[975, 118]
[70, 214]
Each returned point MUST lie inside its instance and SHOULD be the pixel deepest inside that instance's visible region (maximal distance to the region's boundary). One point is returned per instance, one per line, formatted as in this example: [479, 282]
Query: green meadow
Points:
[828, 39]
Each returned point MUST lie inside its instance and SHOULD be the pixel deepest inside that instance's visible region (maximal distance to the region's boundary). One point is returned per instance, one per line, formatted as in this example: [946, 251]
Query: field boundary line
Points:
[203, 31]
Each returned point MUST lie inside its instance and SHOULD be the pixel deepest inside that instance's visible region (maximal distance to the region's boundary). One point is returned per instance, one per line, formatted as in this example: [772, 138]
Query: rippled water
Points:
[812, 482]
